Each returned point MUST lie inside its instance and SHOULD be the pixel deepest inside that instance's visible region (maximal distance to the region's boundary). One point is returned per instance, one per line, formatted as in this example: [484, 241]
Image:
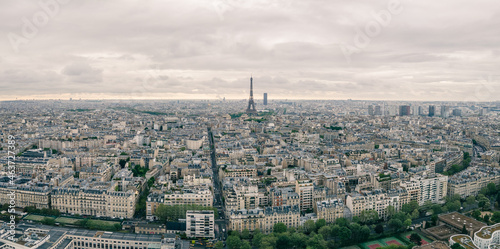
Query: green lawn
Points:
[65, 220]
[34, 217]
[73, 221]
[103, 222]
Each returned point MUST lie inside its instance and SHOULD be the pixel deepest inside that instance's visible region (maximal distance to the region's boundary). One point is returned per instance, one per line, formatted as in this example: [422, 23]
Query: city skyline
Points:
[369, 50]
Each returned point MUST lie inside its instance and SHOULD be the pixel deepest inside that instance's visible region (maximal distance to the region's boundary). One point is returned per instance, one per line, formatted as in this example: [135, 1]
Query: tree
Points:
[390, 211]
[407, 223]
[464, 230]
[309, 226]
[492, 188]
[345, 234]
[48, 221]
[408, 208]
[236, 233]
[470, 200]
[415, 238]
[325, 232]
[395, 224]
[234, 242]
[268, 242]
[456, 246]
[368, 216]
[317, 242]
[320, 223]
[453, 206]
[219, 245]
[342, 222]
[486, 218]
[356, 231]
[484, 203]
[379, 228]
[280, 227]
[434, 219]
[364, 233]
[283, 241]
[245, 245]
[298, 240]
[476, 214]
[415, 214]
[245, 234]
[437, 209]
[257, 239]
[495, 217]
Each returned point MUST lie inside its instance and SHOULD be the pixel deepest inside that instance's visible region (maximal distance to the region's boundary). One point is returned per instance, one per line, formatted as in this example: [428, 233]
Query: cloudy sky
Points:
[207, 49]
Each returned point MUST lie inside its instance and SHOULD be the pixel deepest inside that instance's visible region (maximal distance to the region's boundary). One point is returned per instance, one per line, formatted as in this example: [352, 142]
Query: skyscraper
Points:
[445, 111]
[265, 98]
[371, 112]
[404, 110]
[251, 104]
[432, 110]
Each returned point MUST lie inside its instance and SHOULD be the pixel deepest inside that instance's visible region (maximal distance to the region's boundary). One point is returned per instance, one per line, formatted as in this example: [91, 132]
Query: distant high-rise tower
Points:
[265, 98]
[371, 112]
[445, 111]
[432, 110]
[251, 104]
[404, 110]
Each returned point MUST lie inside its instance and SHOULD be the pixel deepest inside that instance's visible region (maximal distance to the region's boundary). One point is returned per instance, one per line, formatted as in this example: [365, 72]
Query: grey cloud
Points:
[82, 72]
[290, 47]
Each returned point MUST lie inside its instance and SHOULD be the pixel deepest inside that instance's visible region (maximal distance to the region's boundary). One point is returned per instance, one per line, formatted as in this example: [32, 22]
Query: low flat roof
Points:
[458, 220]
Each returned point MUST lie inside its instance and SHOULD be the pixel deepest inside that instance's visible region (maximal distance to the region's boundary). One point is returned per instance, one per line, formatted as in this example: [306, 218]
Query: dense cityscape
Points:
[249, 124]
[256, 173]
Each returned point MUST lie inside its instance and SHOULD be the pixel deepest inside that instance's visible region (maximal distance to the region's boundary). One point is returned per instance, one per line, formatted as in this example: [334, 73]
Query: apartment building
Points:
[200, 224]
[152, 202]
[433, 188]
[330, 210]
[94, 202]
[238, 171]
[25, 195]
[264, 219]
[377, 200]
[190, 196]
[305, 190]
[283, 197]
[471, 181]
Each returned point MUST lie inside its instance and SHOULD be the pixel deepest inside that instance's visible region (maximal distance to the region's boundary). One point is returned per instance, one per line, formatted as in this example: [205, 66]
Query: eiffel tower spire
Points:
[251, 104]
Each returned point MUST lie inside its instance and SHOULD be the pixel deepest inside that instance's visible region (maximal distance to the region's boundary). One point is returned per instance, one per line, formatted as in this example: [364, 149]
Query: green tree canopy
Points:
[280, 227]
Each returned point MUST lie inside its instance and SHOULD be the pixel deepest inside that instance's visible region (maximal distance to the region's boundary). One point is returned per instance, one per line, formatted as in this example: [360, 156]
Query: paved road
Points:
[221, 223]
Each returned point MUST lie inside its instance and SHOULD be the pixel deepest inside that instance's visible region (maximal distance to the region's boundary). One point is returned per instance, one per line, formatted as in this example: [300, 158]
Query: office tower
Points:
[432, 111]
[457, 112]
[370, 110]
[251, 104]
[420, 111]
[378, 110]
[404, 110]
[445, 111]
[265, 98]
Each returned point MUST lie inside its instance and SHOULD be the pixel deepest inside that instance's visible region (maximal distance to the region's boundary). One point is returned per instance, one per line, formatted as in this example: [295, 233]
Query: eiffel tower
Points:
[251, 103]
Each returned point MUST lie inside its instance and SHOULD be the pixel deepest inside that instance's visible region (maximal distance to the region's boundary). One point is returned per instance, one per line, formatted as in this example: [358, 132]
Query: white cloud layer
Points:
[311, 49]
